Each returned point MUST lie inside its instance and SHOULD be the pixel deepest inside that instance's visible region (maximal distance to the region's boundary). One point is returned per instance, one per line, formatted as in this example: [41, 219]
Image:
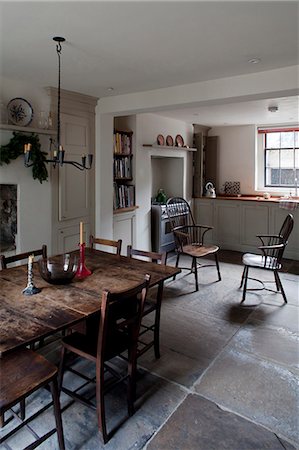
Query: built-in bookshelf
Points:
[124, 189]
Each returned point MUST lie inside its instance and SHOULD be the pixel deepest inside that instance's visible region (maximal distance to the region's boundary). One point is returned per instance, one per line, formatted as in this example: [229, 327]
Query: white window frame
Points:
[260, 182]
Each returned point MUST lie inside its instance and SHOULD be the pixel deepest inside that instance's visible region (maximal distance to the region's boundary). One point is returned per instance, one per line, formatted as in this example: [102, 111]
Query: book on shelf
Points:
[122, 143]
[123, 168]
[123, 196]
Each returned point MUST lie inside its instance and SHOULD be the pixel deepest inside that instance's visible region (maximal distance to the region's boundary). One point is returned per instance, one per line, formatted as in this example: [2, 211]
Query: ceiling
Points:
[140, 46]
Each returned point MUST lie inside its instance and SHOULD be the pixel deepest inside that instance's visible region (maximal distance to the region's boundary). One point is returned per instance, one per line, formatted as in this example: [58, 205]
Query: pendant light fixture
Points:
[58, 153]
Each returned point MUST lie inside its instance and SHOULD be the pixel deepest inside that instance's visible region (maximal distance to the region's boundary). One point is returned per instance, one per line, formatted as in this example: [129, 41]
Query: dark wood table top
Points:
[26, 319]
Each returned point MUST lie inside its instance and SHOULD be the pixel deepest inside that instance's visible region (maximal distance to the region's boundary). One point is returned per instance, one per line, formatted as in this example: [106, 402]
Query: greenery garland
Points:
[15, 148]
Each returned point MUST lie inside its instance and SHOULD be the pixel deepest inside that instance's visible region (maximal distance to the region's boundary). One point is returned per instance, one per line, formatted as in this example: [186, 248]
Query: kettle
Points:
[210, 190]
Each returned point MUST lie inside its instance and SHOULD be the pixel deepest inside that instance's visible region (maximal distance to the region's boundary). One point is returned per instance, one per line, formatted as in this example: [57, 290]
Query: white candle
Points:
[81, 233]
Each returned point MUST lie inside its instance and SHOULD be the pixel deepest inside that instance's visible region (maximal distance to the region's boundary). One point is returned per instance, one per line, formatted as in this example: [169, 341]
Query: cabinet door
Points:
[124, 228]
[255, 219]
[278, 216]
[204, 215]
[73, 183]
[68, 238]
[227, 224]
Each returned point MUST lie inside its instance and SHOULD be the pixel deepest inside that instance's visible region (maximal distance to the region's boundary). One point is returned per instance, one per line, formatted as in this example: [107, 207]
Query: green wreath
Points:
[15, 148]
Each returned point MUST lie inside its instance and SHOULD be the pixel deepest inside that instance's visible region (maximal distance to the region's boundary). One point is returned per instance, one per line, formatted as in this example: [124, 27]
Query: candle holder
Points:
[82, 271]
[30, 289]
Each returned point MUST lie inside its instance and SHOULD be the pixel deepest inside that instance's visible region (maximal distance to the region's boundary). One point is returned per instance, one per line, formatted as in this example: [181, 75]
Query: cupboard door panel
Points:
[68, 238]
[73, 183]
[254, 220]
[124, 228]
[227, 227]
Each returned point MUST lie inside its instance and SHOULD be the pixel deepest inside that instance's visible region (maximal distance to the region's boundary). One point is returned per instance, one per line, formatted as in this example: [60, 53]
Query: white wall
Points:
[236, 156]
[34, 198]
[148, 126]
[34, 203]
[36, 96]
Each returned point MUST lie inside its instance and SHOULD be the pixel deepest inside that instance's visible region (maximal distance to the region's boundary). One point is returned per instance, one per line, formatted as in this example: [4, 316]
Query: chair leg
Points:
[276, 281]
[157, 321]
[194, 263]
[61, 367]
[176, 263]
[242, 279]
[57, 412]
[217, 265]
[101, 407]
[246, 269]
[22, 409]
[281, 287]
[132, 369]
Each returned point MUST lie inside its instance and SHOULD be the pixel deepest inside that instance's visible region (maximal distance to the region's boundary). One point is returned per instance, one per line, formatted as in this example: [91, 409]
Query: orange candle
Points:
[81, 233]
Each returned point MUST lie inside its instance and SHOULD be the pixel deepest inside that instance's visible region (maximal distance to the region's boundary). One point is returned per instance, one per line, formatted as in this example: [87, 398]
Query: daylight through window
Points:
[281, 160]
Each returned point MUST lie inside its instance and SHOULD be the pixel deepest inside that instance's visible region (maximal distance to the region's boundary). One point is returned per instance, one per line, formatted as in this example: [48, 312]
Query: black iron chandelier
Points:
[58, 151]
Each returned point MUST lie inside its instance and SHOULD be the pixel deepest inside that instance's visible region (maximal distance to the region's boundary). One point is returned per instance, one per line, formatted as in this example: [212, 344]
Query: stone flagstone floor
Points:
[227, 377]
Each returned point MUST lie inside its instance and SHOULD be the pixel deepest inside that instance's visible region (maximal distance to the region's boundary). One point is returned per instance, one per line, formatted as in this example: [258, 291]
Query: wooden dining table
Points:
[27, 319]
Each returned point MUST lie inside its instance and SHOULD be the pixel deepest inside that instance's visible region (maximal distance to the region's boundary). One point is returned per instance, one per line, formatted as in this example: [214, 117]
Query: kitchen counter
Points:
[237, 220]
[254, 198]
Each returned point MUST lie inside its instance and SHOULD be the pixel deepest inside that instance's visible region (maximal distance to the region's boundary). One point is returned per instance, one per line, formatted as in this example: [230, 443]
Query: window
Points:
[281, 157]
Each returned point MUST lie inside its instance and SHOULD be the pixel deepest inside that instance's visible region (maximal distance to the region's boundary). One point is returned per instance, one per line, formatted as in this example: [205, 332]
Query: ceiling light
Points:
[254, 60]
[110, 89]
[58, 152]
[272, 109]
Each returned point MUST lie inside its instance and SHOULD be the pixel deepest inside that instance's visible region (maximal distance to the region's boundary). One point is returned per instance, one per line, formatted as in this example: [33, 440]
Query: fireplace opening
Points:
[8, 215]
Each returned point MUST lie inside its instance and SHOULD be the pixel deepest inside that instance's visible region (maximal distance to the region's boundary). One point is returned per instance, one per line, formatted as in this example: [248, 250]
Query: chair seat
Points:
[252, 260]
[22, 372]
[197, 250]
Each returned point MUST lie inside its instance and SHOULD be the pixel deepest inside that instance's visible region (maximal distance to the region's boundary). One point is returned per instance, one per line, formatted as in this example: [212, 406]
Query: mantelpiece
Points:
[7, 127]
[169, 147]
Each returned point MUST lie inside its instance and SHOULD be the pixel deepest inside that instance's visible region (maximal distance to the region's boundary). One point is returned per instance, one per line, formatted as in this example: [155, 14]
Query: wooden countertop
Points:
[254, 198]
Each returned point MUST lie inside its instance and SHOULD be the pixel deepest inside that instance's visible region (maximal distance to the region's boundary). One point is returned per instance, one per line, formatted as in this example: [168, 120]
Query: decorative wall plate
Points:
[179, 141]
[19, 112]
[169, 141]
[160, 139]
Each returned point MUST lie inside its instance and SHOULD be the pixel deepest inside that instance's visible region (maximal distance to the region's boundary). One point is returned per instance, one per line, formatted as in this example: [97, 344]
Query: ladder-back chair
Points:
[115, 245]
[117, 332]
[152, 305]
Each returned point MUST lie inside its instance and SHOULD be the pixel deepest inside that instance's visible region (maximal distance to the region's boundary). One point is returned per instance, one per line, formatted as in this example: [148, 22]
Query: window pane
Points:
[287, 139]
[297, 158]
[272, 177]
[273, 140]
[287, 176]
[287, 158]
[272, 158]
[296, 138]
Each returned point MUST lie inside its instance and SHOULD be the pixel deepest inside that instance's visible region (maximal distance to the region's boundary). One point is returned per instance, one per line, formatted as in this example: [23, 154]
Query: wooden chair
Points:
[272, 250]
[117, 332]
[22, 373]
[189, 237]
[5, 260]
[106, 243]
[151, 305]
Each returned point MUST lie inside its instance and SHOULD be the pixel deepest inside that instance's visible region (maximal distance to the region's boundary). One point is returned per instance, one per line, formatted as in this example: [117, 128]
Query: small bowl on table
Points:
[59, 269]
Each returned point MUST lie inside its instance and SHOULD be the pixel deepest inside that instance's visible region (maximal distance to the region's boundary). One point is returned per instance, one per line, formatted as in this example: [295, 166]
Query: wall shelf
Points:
[7, 127]
[124, 210]
[169, 147]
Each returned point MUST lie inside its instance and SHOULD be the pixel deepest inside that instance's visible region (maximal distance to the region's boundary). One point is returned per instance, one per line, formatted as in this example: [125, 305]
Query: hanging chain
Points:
[58, 50]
